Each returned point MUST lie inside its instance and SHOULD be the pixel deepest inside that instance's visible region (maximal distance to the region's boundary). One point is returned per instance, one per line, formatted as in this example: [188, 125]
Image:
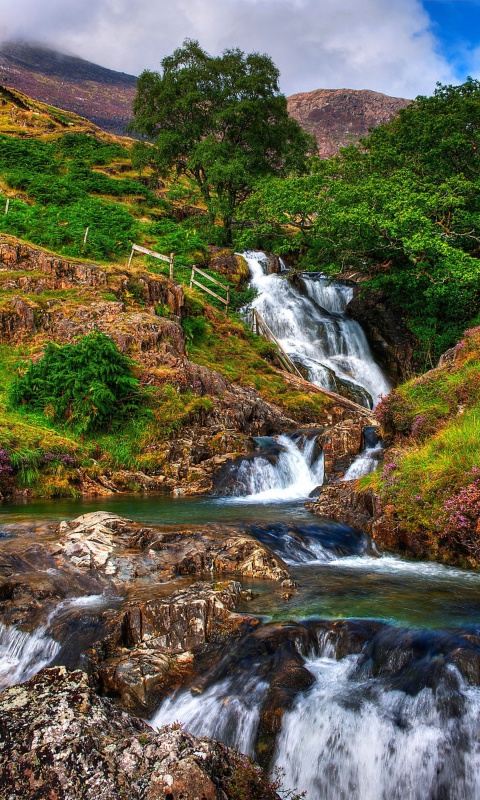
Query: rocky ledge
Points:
[156, 618]
[58, 739]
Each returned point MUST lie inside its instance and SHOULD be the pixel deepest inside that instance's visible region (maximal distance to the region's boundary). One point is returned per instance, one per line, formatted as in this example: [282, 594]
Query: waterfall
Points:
[364, 464]
[347, 738]
[23, 654]
[290, 473]
[228, 711]
[351, 735]
[314, 330]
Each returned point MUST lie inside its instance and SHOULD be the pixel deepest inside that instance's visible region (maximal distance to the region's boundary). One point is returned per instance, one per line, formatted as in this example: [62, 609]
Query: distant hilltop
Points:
[101, 95]
[336, 117]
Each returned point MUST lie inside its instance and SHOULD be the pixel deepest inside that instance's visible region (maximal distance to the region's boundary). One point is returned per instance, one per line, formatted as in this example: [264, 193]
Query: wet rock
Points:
[392, 343]
[342, 502]
[341, 444]
[313, 541]
[150, 649]
[58, 739]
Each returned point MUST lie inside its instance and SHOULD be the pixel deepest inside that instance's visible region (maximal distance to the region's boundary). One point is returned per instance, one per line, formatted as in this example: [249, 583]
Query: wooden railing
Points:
[260, 327]
[136, 248]
[193, 282]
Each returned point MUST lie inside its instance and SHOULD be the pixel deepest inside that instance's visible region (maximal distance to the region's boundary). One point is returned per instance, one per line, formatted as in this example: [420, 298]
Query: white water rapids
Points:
[314, 329]
[294, 475]
[350, 736]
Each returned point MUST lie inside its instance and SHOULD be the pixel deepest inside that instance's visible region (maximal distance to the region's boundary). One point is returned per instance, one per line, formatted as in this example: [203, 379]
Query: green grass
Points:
[434, 421]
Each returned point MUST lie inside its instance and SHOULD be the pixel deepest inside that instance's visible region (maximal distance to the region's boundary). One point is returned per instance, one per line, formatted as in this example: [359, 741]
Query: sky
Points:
[400, 47]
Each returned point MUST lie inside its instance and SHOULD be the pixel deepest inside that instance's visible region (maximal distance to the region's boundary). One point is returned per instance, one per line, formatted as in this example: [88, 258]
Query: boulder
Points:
[58, 739]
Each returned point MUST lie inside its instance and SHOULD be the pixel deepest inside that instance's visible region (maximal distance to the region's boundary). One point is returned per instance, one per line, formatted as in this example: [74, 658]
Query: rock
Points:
[230, 264]
[58, 739]
[150, 649]
[342, 502]
[392, 343]
[341, 444]
[122, 551]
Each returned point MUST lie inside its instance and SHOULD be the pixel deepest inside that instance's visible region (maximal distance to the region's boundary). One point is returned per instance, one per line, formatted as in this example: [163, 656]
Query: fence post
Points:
[171, 265]
[191, 277]
[7, 204]
[86, 236]
[130, 259]
[228, 302]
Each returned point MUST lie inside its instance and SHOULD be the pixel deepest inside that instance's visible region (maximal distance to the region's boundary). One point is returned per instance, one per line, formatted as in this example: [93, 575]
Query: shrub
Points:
[87, 385]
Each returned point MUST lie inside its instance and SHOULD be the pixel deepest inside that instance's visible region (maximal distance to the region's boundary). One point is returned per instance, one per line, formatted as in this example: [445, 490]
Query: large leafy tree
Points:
[222, 122]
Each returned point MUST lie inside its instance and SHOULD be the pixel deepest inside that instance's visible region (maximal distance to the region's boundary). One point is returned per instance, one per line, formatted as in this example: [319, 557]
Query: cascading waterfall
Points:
[229, 711]
[371, 743]
[351, 735]
[364, 464]
[292, 476]
[24, 654]
[314, 330]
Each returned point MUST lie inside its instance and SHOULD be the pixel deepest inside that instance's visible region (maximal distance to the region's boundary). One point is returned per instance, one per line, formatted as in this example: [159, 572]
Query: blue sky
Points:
[399, 47]
[456, 25]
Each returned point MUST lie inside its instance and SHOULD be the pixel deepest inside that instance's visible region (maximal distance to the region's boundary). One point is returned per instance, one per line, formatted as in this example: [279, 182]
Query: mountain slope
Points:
[338, 117]
[102, 95]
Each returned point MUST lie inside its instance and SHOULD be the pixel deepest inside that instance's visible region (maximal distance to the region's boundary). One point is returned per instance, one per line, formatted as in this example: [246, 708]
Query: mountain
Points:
[338, 117]
[102, 95]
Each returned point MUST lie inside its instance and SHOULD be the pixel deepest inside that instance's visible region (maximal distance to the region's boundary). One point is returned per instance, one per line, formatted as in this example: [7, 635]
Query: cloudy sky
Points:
[401, 47]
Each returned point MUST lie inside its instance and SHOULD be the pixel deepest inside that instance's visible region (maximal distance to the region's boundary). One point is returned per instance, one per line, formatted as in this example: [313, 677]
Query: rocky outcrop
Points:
[339, 117]
[392, 343]
[341, 444]
[122, 551]
[342, 502]
[150, 649]
[58, 739]
[230, 264]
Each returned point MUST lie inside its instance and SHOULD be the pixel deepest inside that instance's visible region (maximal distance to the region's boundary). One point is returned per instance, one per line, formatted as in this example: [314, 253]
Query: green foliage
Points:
[87, 385]
[431, 478]
[403, 208]
[62, 229]
[58, 177]
[221, 121]
[194, 328]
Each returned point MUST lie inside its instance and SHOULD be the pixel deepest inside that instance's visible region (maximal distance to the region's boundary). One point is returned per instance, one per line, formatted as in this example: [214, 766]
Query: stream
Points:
[389, 709]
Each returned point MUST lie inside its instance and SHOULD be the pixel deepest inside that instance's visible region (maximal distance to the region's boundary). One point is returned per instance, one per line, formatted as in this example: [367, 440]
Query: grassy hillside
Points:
[61, 174]
[430, 482]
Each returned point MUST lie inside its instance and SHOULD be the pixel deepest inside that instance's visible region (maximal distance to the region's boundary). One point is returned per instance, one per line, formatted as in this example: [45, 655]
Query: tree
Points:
[222, 122]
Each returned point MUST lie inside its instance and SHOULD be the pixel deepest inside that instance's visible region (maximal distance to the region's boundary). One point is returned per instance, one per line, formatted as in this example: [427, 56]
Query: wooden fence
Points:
[194, 282]
[169, 259]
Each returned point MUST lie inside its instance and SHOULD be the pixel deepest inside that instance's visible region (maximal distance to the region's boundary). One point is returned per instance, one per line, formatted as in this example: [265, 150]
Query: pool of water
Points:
[156, 509]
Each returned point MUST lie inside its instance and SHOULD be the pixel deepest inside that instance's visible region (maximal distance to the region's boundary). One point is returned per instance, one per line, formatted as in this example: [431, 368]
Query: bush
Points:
[87, 385]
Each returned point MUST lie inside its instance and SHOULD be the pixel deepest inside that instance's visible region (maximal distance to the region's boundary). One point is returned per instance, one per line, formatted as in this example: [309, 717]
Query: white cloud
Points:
[386, 45]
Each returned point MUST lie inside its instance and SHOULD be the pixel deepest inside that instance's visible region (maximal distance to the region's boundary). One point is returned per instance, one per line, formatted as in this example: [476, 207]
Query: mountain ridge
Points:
[336, 117]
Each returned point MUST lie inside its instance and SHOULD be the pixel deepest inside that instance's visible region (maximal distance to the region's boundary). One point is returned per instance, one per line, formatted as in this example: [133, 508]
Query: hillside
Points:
[101, 95]
[207, 383]
[338, 117]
